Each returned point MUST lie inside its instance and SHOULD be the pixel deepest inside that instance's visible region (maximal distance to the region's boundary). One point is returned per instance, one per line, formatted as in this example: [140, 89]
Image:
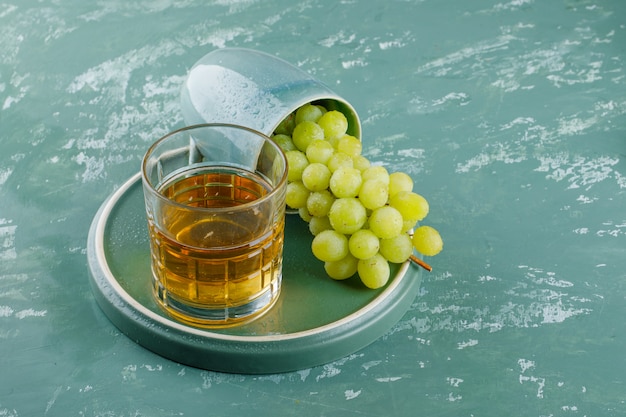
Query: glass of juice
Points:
[215, 204]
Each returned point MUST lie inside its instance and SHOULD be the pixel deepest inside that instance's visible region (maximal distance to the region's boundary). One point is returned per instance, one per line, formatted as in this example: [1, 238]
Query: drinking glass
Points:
[215, 204]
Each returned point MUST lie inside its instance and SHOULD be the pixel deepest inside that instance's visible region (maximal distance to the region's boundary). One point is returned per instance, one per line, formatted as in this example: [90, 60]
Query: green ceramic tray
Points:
[316, 320]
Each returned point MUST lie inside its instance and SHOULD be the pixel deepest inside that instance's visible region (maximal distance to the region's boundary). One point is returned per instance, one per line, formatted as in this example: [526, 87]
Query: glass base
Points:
[216, 317]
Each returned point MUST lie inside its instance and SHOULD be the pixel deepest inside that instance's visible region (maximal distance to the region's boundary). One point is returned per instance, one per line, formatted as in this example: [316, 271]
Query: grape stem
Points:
[421, 263]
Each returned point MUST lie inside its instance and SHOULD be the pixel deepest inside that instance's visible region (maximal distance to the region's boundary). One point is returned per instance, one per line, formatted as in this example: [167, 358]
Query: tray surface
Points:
[316, 319]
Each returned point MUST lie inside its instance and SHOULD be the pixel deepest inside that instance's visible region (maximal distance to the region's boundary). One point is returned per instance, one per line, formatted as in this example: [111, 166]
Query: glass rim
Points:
[241, 207]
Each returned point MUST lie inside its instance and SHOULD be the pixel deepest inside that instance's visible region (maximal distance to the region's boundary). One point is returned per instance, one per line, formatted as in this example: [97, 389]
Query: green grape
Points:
[286, 126]
[319, 203]
[347, 215]
[376, 172]
[333, 142]
[308, 112]
[408, 224]
[304, 214]
[345, 182]
[360, 162]
[319, 224]
[410, 205]
[397, 249]
[329, 246]
[284, 141]
[316, 177]
[374, 272]
[306, 132]
[343, 268]
[296, 195]
[364, 244]
[338, 160]
[399, 181]
[427, 241]
[350, 145]
[386, 222]
[322, 108]
[296, 161]
[373, 194]
[320, 151]
[334, 124]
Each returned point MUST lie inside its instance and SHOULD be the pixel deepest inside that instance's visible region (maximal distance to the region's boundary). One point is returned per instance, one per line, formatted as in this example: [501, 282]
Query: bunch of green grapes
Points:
[361, 216]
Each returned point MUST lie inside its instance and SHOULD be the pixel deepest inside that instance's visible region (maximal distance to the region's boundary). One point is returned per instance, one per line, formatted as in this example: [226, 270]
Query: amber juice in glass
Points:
[215, 207]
